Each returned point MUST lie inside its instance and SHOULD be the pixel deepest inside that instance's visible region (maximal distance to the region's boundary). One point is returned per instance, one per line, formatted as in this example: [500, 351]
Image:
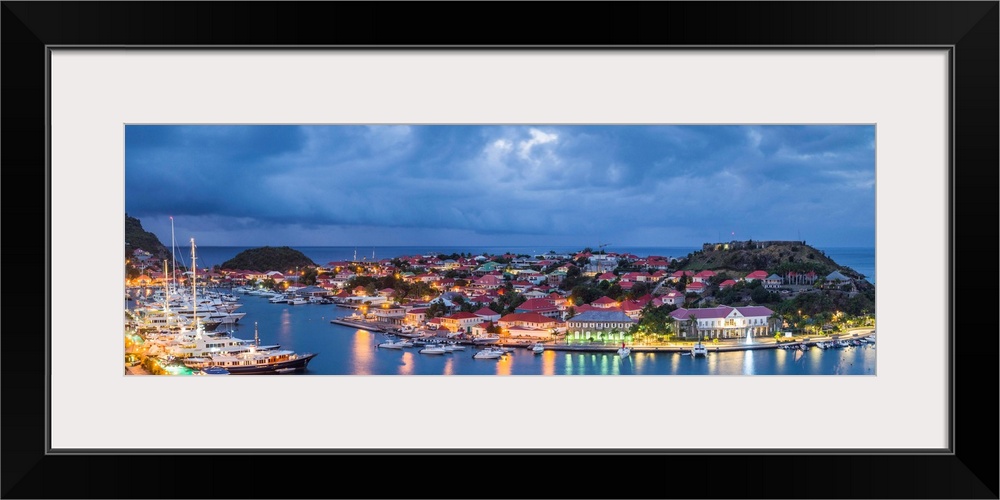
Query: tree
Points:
[638, 290]
[130, 271]
[437, 309]
[775, 320]
[570, 312]
[669, 323]
[693, 325]
[760, 295]
[309, 276]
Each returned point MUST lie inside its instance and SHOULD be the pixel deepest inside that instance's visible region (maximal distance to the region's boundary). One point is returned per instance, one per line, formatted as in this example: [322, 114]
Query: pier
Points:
[361, 325]
[673, 347]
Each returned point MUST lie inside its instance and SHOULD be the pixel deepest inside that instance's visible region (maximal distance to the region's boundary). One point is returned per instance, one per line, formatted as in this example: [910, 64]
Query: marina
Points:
[351, 347]
[530, 249]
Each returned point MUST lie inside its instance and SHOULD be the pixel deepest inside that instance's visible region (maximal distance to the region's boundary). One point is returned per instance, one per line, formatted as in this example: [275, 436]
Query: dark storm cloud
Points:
[650, 185]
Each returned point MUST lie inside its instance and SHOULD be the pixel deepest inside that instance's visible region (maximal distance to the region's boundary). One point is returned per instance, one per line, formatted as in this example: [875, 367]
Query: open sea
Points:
[861, 259]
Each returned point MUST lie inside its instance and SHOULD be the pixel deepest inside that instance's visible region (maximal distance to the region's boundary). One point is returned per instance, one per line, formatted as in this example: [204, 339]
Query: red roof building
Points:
[703, 276]
[545, 307]
[677, 275]
[527, 319]
[604, 302]
[487, 314]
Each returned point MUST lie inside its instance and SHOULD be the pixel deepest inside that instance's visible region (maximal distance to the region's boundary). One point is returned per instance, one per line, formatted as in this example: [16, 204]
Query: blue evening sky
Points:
[576, 185]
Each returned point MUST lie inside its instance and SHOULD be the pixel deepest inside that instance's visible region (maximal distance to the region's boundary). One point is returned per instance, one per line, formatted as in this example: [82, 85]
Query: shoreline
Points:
[728, 346]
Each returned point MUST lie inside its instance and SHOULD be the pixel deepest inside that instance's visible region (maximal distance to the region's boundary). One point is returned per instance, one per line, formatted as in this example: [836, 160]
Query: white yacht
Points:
[487, 354]
[624, 351]
[433, 349]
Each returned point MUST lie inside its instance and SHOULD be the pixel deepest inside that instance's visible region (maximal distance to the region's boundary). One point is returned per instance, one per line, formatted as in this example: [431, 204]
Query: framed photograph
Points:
[508, 199]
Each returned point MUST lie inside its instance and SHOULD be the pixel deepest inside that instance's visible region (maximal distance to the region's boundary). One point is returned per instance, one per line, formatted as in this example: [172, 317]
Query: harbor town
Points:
[492, 306]
[500, 249]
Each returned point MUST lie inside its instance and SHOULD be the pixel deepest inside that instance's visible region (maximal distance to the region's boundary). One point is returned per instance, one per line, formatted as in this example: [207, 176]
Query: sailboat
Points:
[699, 349]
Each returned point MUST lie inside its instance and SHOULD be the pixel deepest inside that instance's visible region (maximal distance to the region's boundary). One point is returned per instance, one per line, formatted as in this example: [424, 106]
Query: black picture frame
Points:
[969, 29]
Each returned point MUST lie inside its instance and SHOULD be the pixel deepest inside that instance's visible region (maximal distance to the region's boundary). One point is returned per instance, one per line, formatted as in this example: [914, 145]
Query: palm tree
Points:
[668, 323]
[775, 320]
[694, 325]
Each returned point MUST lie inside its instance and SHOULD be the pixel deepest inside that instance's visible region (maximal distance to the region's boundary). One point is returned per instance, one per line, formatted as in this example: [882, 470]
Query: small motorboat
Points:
[538, 348]
[624, 351]
[433, 349]
[487, 354]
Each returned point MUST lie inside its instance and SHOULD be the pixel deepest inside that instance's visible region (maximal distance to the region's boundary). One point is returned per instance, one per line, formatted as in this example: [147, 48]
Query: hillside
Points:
[773, 257]
[268, 259]
[136, 237]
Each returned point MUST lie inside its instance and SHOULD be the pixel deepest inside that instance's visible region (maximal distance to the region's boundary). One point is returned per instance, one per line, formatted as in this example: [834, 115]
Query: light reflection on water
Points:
[713, 362]
[285, 323]
[504, 365]
[640, 359]
[363, 352]
[748, 363]
[406, 364]
[548, 362]
[349, 351]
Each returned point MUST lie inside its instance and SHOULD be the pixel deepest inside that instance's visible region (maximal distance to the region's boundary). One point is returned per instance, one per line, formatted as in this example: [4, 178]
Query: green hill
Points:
[268, 259]
[138, 238]
[773, 257]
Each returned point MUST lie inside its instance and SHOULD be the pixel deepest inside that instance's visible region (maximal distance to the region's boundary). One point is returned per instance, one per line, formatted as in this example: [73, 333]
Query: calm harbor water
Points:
[861, 259]
[349, 351]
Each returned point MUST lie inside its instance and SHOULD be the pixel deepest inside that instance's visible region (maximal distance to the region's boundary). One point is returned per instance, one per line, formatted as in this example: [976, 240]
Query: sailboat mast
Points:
[166, 289]
[194, 285]
[173, 247]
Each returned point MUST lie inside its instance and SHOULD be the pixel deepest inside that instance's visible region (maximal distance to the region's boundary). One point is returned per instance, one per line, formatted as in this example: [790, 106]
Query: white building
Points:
[723, 322]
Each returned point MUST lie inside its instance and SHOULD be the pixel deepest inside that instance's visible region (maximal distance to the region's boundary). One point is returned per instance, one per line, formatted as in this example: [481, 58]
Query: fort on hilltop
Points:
[746, 245]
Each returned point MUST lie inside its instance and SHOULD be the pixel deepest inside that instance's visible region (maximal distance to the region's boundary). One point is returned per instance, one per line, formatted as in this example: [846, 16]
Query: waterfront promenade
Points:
[727, 345]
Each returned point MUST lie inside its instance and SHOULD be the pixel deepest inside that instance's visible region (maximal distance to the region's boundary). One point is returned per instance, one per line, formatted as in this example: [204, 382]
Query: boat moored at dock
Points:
[254, 362]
